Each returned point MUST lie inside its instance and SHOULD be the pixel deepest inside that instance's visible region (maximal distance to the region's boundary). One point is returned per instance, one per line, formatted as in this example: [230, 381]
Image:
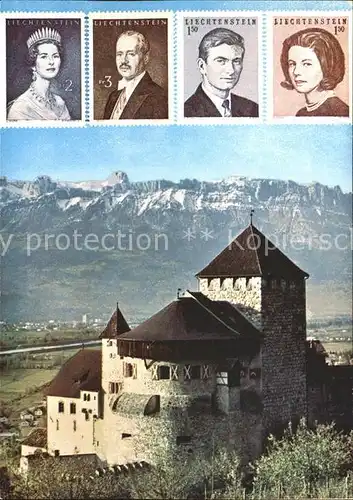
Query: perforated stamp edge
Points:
[298, 120]
[180, 15]
[3, 84]
[148, 14]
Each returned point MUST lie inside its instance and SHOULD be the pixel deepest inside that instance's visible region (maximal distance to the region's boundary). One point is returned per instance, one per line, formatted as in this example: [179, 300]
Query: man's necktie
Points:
[120, 105]
[227, 112]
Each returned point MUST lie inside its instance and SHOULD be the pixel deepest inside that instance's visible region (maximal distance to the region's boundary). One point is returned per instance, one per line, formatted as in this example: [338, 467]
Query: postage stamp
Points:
[219, 72]
[311, 59]
[44, 69]
[131, 68]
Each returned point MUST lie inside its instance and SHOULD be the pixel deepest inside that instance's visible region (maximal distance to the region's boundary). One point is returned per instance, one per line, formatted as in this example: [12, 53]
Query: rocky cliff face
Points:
[311, 223]
[278, 203]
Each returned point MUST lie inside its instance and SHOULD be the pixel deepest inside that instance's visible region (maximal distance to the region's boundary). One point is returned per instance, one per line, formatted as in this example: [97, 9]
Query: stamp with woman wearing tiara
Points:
[44, 69]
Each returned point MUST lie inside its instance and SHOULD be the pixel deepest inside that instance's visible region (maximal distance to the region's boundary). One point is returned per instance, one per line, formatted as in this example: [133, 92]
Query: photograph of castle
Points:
[228, 363]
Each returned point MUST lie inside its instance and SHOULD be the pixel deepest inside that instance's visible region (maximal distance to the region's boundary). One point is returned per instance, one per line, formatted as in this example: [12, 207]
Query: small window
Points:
[114, 388]
[57, 425]
[61, 407]
[183, 439]
[163, 372]
[125, 435]
[75, 426]
[195, 372]
[56, 453]
[234, 376]
[86, 415]
[72, 408]
[97, 443]
[153, 405]
[84, 397]
[128, 370]
[244, 372]
[255, 373]
[192, 372]
[88, 397]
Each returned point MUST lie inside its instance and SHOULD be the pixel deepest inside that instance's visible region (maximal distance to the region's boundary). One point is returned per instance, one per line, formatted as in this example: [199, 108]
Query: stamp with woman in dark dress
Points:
[312, 65]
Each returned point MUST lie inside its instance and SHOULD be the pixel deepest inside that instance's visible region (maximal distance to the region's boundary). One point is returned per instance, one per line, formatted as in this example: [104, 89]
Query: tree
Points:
[302, 463]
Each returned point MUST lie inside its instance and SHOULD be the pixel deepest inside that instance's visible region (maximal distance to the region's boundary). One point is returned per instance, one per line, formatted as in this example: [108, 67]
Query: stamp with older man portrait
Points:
[131, 65]
[219, 66]
[311, 61]
[44, 69]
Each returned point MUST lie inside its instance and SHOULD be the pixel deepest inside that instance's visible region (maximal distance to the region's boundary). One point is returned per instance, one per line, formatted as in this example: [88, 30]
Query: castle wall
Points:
[284, 356]
[277, 307]
[245, 292]
[71, 433]
[111, 368]
[189, 419]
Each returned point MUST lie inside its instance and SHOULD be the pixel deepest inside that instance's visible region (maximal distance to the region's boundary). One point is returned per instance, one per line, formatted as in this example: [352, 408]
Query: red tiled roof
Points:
[37, 438]
[82, 372]
[251, 254]
[116, 326]
[193, 318]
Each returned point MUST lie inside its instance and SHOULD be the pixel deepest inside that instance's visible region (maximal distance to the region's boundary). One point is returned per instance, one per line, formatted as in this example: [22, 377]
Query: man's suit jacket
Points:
[200, 105]
[148, 101]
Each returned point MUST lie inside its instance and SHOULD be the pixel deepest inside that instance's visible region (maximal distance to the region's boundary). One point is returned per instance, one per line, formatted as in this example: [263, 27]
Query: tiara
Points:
[43, 34]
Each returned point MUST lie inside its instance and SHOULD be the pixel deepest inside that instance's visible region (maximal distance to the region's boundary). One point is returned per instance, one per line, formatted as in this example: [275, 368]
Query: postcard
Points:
[176, 242]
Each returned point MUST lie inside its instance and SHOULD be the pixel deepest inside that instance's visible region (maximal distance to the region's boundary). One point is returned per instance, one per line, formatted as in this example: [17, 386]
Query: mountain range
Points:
[147, 239]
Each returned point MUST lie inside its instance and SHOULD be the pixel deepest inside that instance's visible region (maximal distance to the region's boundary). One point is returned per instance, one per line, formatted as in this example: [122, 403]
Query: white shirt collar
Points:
[217, 101]
[130, 85]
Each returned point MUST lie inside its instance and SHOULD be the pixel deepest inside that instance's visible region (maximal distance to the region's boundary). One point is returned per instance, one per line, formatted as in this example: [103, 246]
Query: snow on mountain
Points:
[119, 199]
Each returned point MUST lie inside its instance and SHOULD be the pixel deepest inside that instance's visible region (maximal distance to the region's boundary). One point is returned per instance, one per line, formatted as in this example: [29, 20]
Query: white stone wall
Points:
[244, 291]
[111, 364]
[71, 433]
[152, 435]
[30, 450]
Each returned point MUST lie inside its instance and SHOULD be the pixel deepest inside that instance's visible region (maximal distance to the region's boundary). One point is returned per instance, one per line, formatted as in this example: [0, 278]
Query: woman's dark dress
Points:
[333, 106]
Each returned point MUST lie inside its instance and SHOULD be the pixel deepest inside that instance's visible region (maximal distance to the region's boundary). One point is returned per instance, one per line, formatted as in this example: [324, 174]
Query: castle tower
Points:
[253, 274]
[111, 370]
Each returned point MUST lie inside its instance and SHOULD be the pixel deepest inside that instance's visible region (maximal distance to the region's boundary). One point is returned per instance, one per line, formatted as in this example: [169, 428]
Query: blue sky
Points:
[301, 153]
[298, 152]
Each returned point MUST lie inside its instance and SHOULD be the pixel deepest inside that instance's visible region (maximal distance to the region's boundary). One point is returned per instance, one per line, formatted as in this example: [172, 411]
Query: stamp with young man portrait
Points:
[311, 61]
[131, 67]
[44, 69]
[219, 66]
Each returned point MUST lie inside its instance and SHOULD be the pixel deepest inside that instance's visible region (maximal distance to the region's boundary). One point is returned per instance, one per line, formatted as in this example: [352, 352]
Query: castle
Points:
[220, 367]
